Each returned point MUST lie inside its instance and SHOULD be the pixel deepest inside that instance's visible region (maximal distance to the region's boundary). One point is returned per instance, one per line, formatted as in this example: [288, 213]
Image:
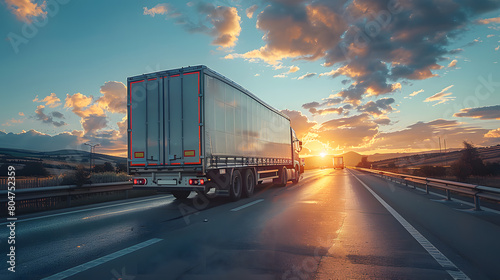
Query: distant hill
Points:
[487, 154]
[56, 161]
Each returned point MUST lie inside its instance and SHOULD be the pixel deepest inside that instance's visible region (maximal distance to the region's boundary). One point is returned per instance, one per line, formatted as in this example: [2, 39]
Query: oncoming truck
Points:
[192, 129]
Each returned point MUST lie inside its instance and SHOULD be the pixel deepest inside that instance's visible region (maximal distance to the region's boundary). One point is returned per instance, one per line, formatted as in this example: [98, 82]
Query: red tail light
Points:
[140, 181]
[196, 181]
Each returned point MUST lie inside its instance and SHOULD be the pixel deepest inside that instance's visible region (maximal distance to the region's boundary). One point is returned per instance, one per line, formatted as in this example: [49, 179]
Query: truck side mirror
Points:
[300, 146]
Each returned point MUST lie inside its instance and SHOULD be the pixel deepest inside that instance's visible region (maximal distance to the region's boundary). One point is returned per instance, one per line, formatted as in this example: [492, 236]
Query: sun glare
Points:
[323, 154]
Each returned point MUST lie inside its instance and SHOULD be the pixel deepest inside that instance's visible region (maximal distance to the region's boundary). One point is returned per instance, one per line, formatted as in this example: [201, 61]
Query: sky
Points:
[368, 76]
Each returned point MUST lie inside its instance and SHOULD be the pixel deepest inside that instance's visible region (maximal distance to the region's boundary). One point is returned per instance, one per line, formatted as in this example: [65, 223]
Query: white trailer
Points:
[194, 129]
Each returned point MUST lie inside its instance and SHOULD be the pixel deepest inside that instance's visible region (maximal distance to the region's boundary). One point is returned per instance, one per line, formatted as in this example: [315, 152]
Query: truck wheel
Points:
[236, 186]
[248, 183]
[283, 178]
[297, 176]
[181, 195]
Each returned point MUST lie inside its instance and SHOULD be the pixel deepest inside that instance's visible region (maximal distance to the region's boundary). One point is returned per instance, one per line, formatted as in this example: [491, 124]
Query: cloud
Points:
[453, 64]
[114, 97]
[225, 23]
[12, 122]
[376, 44]
[38, 141]
[308, 75]
[81, 105]
[21, 114]
[51, 101]
[441, 97]
[330, 101]
[41, 116]
[489, 20]
[251, 10]
[497, 48]
[416, 92]
[482, 113]
[292, 69]
[377, 108]
[160, 9]
[473, 42]
[424, 136]
[326, 111]
[495, 133]
[26, 10]
[91, 124]
[456, 51]
[350, 132]
[299, 122]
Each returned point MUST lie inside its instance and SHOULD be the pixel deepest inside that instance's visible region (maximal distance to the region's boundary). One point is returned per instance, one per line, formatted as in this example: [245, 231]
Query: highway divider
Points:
[476, 191]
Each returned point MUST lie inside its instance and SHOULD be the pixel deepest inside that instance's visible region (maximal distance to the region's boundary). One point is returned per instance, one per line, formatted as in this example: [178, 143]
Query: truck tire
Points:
[248, 183]
[236, 186]
[283, 179]
[297, 176]
[181, 195]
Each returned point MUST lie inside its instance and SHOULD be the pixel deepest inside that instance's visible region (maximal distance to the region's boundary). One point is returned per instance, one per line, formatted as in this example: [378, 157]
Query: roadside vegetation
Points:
[469, 168]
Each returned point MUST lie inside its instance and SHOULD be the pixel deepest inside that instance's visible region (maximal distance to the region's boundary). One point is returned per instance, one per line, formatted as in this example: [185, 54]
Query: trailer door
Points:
[164, 121]
[182, 119]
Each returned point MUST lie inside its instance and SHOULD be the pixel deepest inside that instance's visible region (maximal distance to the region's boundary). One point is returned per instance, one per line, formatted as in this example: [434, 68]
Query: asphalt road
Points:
[333, 224]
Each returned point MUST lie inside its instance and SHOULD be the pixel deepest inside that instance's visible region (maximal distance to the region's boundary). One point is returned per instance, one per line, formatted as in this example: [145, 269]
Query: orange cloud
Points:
[452, 64]
[483, 113]
[441, 97]
[489, 20]
[160, 9]
[25, 10]
[495, 133]
[114, 97]
[251, 10]
[51, 101]
[227, 27]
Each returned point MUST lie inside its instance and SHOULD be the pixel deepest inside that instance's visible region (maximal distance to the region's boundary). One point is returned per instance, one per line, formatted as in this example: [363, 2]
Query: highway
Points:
[333, 224]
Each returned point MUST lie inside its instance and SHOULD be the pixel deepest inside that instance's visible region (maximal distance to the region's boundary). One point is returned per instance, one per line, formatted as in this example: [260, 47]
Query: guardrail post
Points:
[477, 203]
[406, 181]
[68, 200]
[426, 186]
[448, 195]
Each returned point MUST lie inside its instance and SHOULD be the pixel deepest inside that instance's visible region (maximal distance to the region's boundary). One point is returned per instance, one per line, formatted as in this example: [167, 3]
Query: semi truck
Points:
[338, 162]
[192, 129]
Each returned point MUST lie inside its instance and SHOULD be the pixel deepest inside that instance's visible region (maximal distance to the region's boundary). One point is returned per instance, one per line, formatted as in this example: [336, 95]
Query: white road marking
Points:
[448, 265]
[101, 260]
[246, 205]
[85, 210]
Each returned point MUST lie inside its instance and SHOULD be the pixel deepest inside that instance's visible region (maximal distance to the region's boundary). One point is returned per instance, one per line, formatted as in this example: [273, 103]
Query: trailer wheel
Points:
[181, 195]
[248, 183]
[236, 186]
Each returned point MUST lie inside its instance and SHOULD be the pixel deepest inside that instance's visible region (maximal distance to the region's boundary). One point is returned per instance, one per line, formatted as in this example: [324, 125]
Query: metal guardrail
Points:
[68, 191]
[475, 191]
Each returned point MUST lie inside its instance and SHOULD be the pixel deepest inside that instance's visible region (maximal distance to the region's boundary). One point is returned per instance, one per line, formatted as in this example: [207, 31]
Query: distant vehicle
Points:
[192, 129]
[338, 162]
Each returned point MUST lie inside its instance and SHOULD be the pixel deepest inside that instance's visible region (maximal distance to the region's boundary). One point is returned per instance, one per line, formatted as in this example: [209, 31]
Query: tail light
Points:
[140, 181]
[196, 181]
